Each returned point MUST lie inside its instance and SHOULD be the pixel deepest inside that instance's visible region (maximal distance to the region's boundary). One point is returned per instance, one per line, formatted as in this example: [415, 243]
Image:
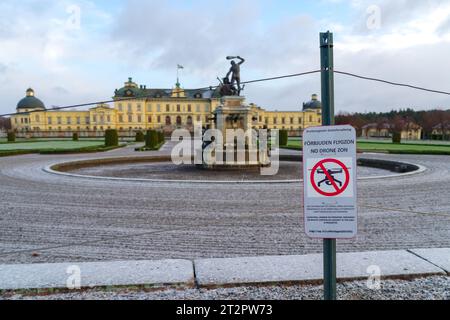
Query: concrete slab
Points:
[440, 257]
[258, 269]
[96, 274]
[272, 269]
[390, 264]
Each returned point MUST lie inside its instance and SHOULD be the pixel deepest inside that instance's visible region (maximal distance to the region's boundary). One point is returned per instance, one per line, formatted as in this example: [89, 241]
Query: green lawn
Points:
[407, 148]
[46, 145]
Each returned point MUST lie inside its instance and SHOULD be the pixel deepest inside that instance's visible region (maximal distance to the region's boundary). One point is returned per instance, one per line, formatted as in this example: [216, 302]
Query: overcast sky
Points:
[74, 52]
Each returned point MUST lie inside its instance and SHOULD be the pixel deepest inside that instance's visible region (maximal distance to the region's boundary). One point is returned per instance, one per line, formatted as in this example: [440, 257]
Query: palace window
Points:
[292, 120]
[310, 119]
[88, 120]
[130, 118]
[59, 120]
[120, 107]
[197, 108]
[199, 118]
[206, 108]
[158, 108]
[275, 120]
[130, 108]
[120, 118]
[94, 119]
[139, 118]
[167, 107]
[149, 108]
[283, 120]
[159, 119]
[139, 108]
[189, 108]
[69, 120]
[189, 121]
[78, 120]
[168, 121]
[37, 118]
[179, 122]
[178, 108]
[108, 118]
[299, 120]
[149, 119]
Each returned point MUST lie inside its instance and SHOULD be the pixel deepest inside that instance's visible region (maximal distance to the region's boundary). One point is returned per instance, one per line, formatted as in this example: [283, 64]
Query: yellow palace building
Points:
[138, 108]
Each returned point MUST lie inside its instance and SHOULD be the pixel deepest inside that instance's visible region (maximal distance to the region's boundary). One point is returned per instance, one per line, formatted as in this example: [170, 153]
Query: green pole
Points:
[327, 67]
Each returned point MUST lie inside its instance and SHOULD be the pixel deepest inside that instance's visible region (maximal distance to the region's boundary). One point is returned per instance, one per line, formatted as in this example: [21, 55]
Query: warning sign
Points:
[329, 165]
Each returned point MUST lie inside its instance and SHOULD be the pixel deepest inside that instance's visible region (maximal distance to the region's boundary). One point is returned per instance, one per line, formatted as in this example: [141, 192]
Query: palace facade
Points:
[138, 108]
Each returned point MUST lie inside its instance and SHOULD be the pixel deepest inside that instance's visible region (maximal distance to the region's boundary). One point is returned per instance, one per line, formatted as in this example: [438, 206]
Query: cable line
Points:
[390, 82]
[212, 88]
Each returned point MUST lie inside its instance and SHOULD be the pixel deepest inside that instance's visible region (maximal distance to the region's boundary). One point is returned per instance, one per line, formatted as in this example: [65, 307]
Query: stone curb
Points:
[225, 271]
[96, 274]
[48, 169]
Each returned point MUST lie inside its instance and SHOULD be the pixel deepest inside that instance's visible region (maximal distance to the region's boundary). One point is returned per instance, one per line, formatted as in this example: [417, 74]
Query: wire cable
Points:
[212, 88]
[390, 82]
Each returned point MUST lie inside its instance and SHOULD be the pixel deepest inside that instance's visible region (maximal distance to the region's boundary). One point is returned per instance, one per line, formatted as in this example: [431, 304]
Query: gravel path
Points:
[50, 218]
[431, 288]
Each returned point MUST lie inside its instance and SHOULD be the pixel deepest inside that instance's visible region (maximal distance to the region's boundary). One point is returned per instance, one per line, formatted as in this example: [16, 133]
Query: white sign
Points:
[329, 175]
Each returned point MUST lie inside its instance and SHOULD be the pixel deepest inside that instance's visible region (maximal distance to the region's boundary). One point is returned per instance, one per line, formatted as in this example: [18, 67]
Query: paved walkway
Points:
[224, 272]
[45, 218]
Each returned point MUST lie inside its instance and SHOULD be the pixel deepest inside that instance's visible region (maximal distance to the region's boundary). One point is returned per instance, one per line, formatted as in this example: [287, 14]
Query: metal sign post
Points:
[327, 76]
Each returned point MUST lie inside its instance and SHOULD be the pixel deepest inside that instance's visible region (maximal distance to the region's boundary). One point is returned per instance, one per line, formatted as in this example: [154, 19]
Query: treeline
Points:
[399, 120]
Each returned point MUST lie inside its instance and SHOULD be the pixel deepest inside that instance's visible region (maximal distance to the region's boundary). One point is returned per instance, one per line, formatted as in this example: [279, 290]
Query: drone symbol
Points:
[331, 173]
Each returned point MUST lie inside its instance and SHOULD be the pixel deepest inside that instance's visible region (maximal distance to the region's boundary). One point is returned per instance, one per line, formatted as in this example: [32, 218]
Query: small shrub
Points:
[11, 136]
[397, 138]
[283, 137]
[111, 138]
[151, 140]
[161, 137]
[140, 137]
[75, 137]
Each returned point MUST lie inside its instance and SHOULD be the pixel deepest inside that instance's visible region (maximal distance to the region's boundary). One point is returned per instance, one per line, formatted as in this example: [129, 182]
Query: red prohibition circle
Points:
[338, 191]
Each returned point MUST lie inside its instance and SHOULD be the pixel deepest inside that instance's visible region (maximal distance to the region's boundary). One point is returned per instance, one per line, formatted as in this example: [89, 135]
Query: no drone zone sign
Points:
[329, 175]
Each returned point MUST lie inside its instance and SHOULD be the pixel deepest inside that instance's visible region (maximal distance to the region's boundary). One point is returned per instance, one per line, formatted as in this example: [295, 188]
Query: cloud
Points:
[147, 39]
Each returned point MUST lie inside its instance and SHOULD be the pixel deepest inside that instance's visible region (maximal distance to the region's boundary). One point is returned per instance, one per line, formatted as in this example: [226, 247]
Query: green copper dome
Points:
[30, 102]
[313, 104]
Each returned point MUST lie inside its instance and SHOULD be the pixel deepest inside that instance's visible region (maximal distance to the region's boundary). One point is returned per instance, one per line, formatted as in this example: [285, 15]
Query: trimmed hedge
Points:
[283, 138]
[152, 139]
[11, 137]
[75, 137]
[111, 138]
[397, 138]
[161, 137]
[140, 137]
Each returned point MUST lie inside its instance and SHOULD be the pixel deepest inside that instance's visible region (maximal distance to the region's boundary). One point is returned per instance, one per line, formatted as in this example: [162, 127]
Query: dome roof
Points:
[130, 89]
[313, 104]
[30, 102]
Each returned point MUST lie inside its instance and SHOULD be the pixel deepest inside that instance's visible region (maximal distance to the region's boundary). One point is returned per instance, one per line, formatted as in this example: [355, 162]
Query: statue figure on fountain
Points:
[232, 87]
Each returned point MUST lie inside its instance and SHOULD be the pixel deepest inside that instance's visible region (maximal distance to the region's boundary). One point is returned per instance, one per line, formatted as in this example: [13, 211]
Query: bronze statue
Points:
[235, 72]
